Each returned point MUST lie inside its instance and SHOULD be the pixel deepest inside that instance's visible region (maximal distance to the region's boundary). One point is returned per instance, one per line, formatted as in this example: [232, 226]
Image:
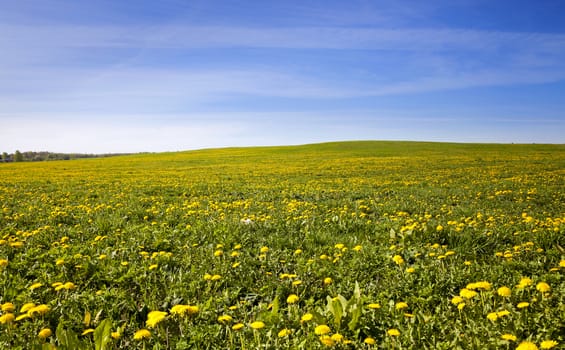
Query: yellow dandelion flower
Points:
[338, 338]
[154, 317]
[527, 345]
[44, 333]
[116, 335]
[225, 318]
[26, 307]
[393, 332]
[142, 334]
[17, 244]
[306, 317]
[218, 253]
[322, 329]
[548, 344]
[7, 318]
[504, 291]
[543, 287]
[562, 263]
[484, 285]
[297, 282]
[35, 286]
[398, 260]
[38, 310]
[370, 341]
[292, 299]
[179, 309]
[237, 326]
[524, 282]
[460, 306]
[467, 293]
[215, 277]
[522, 305]
[327, 340]
[192, 309]
[410, 270]
[298, 252]
[358, 248]
[182, 310]
[284, 332]
[374, 306]
[3, 262]
[257, 325]
[8, 307]
[153, 267]
[467, 263]
[492, 316]
[509, 337]
[264, 250]
[69, 285]
[457, 300]
[328, 281]
[401, 305]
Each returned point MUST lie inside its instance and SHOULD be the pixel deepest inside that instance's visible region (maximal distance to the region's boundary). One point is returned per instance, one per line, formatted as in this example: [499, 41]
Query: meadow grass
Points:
[376, 245]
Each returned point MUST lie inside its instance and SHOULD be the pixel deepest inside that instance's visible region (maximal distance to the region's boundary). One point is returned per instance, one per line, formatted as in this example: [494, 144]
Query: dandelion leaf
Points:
[103, 335]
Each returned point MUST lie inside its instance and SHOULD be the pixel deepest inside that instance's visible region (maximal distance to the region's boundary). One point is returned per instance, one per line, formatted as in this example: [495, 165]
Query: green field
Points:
[346, 245]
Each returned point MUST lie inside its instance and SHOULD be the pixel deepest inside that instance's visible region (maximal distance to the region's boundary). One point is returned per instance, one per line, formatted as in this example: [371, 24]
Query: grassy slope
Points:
[315, 153]
[375, 194]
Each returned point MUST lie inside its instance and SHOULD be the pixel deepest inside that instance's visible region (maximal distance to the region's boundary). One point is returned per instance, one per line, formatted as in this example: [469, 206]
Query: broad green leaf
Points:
[103, 334]
[275, 306]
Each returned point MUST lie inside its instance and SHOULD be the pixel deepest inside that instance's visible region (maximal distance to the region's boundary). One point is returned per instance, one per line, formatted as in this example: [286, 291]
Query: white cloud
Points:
[188, 36]
[46, 62]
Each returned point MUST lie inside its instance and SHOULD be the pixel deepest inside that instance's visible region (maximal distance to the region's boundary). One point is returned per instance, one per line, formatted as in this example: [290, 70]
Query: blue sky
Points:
[131, 76]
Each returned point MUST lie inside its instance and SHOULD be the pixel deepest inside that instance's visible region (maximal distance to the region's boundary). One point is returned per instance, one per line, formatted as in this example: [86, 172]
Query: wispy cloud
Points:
[466, 60]
[128, 90]
[187, 36]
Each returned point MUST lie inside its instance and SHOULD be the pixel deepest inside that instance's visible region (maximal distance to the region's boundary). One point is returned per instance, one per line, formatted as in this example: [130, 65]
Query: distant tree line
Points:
[43, 156]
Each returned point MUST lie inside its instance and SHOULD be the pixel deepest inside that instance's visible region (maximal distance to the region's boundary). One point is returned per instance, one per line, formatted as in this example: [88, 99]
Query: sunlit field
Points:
[359, 245]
